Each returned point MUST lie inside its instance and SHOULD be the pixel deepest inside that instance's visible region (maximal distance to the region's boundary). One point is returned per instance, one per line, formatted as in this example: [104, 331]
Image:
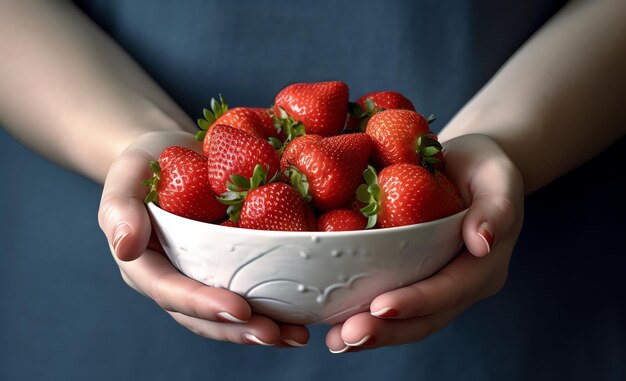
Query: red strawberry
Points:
[230, 223]
[181, 185]
[402, 136]
[405, 194]
[239, 117]
[321, 107]
[267, 122]
[275, 206]
[235, 152]
[332, 168]
[369, 104]
[341, 220]
[294, 148]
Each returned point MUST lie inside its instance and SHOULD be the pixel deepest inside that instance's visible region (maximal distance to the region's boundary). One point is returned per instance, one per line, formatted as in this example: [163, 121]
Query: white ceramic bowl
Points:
[307, 277]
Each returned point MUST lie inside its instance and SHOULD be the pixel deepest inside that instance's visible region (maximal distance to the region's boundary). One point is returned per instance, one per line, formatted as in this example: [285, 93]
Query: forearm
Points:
[560, 99]
[70, 93]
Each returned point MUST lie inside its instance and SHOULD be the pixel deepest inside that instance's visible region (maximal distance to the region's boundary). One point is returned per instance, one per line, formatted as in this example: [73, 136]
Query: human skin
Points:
[498, 147]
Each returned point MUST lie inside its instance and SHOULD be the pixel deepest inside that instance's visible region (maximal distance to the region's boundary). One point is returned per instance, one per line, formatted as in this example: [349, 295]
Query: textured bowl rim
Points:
[278, 233]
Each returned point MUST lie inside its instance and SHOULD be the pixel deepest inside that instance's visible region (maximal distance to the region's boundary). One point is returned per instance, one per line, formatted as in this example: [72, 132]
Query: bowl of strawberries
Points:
[309, 209]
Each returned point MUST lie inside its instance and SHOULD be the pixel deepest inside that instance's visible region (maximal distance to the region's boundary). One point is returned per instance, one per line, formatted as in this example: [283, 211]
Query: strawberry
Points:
[257, 203]
[276, 206]
[230, 223]
[235, 152]
[369, 104]
[402, 136]
[405, 194]
[341, 220]
[294, 148]
[329, 169]
[267, 122]
[240, 118]
[180, 185]
[320, 108]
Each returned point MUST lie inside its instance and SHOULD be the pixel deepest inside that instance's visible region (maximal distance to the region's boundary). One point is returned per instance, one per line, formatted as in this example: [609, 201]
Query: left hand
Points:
[491, 184]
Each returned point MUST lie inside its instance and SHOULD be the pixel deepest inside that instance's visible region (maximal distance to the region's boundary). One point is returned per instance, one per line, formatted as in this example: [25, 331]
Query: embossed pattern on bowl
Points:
[307, 277]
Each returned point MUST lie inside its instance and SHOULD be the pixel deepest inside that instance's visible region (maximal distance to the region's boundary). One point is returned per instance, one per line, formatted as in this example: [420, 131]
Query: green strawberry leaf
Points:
[275, 143]
[355, 110]
[218, 108]
[299, 182]
[371, 221]
[370, 106]
[431, 118]
[239, 181]
[362, 194]
[369, 194]
[259, 177]
[153, 182]
[234, 212]
[370, 175]
[200, 136]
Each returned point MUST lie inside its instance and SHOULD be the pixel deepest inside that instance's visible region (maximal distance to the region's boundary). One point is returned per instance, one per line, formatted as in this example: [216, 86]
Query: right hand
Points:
[207, 311]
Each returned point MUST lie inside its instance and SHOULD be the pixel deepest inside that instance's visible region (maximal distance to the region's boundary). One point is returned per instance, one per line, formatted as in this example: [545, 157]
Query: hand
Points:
[209, 312]
[491, 184]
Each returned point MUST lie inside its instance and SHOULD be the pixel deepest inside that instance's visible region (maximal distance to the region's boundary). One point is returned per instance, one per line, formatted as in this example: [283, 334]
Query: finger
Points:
[154, 275]
[122, 214]
[293, 336]
[364, 331]
[259, 330]
[496, 190]
[464, 279]
[334, 341]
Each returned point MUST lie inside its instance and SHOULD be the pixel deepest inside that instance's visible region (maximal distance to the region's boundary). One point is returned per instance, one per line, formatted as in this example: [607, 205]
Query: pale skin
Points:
[565, 86]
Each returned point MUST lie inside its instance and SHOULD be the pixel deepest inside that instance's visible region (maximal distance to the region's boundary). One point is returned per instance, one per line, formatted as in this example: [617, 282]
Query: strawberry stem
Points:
[153, 182]
[239, 187]
[427, 147]
[289, 126]
[363, 115]
[369, 194]
[299, 181]
[218, 108]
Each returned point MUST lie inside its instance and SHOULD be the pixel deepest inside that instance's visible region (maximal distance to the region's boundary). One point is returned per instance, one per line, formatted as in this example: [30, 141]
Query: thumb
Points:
[122, 215]
[496, 202]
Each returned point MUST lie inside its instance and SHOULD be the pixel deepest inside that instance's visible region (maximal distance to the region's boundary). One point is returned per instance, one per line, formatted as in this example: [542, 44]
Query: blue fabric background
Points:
[67, 315]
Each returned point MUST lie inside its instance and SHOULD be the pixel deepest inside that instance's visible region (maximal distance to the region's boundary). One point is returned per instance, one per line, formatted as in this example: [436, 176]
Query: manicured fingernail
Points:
[385, 312]
[121, 231]
[486, 236]
[360, 342]
[229, 318]
[294, 343]
[251, 339]
[339, 351]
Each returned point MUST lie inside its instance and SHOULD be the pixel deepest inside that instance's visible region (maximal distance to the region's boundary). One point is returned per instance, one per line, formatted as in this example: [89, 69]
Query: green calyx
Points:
[369, 194]
[363, 114]
[431, 118]
[153, 182]
[289, 126]
[427, 147]
[239, 187]
[299, 182]
[218, 108]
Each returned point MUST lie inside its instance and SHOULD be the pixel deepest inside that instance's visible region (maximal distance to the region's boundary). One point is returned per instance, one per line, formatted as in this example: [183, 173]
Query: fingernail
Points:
[294, 343]
[251, 339]
[385, 312]
[229, 318]
[121, 231]
[339, 351]
[486, 236]
[360, 342]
